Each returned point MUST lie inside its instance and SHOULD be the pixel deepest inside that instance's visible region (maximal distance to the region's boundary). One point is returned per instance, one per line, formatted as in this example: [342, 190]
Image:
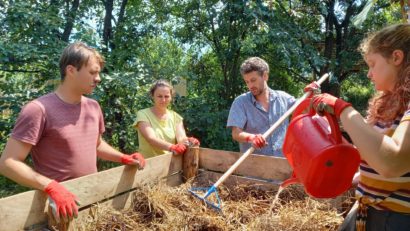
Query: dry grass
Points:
[164, 208]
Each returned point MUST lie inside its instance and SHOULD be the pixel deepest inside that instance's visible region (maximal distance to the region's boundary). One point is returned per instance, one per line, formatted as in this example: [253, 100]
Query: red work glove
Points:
[313, 87]
[63, 203]
[178, 149]
[329, 103]
[193, 141]
[257, 140]
[133, 159]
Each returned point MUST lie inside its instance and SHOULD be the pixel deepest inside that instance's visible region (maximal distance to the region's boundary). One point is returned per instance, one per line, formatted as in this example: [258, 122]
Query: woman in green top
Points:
[161, 130]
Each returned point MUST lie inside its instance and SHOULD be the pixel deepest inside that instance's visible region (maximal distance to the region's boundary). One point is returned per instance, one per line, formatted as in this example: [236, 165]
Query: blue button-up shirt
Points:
[248, 114]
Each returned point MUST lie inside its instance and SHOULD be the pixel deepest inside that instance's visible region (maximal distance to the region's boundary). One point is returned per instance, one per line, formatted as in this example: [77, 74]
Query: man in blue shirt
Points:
[254, 112]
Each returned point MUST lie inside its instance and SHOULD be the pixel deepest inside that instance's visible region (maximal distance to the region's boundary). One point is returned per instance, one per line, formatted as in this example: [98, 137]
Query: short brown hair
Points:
[254, 64]
[77, 54]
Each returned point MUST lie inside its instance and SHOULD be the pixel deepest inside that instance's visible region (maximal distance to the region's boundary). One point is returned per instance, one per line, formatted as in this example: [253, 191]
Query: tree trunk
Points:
[107, 30]
[71, 15]
[329, 44]
[122, 12]
[118, 27]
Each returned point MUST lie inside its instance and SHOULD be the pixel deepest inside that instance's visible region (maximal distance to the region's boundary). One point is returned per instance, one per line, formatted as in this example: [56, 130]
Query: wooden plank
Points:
[103, 185]
[266, 167]
[191, 163]
[27, 209]
[120, 202]
[22, 210]
[83, 215]
[207, 178]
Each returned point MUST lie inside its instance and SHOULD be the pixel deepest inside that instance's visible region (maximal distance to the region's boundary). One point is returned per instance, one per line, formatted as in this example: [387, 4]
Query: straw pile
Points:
[161, 207]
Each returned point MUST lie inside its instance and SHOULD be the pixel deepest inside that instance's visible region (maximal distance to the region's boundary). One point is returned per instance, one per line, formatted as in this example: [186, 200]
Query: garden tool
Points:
[213, 189]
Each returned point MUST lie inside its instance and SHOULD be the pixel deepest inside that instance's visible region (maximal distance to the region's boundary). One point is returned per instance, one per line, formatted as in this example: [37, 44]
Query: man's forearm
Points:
[23, 174]
[12, 165]
[106, 152]
[239, 135]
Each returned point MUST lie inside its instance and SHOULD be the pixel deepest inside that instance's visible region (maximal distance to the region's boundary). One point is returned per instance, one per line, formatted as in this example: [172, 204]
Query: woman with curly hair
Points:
[383, 138]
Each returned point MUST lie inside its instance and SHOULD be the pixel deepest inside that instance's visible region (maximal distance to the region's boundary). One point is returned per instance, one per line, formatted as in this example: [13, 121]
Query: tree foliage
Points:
[203, 42]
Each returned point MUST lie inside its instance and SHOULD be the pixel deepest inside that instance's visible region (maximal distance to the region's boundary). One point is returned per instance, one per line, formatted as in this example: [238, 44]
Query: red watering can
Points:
[322, 160]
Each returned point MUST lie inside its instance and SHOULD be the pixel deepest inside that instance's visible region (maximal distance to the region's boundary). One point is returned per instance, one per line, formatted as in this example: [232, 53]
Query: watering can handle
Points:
[334, 127]
[305, 104]
[332, 120]
[268, 132]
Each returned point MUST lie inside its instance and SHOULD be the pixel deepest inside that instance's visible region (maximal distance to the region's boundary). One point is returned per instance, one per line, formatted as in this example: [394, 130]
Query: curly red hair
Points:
[386, 106]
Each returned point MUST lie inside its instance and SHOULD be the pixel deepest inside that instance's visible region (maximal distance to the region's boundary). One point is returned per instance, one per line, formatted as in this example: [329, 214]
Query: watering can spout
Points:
[292, 180]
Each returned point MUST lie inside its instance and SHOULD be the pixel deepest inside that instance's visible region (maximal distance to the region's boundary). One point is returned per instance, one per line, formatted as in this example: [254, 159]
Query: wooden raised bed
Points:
[113, 187]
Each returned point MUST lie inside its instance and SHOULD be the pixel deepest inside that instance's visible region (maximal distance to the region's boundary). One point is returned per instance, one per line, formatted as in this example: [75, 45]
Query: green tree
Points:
[203, 42]
[316, 37]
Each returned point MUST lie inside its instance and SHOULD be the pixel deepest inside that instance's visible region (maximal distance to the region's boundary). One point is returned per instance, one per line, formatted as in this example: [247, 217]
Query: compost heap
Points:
[160, 207]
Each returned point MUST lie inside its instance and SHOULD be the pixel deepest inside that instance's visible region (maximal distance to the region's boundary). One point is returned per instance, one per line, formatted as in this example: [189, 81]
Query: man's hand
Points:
[62, 202]
[257, 140]
[329, 103]
[133, 159]
[313, 87]
[178, 149]
[193, 141]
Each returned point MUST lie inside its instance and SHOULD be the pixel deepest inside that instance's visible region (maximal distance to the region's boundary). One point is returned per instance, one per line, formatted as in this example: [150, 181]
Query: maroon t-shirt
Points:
[64, 136]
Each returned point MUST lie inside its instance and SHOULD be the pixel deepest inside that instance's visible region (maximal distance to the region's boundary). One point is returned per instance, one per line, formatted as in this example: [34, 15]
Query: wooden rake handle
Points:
[268, 132]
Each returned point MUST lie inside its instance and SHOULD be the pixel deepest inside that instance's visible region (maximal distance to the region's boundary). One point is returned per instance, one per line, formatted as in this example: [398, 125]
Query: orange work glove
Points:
[193, 141]
[62, 202]
[133, 159]
[329, 103]
[313, 87]
[257, 140]
[178, 149]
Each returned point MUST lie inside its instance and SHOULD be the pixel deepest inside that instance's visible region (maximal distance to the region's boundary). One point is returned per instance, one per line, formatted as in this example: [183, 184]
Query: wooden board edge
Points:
[259, 166]
[120, 202]
[209, 177]
[29, 208]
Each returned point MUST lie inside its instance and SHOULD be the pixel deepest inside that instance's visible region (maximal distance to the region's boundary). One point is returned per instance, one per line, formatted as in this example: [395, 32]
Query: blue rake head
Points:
[209, 191]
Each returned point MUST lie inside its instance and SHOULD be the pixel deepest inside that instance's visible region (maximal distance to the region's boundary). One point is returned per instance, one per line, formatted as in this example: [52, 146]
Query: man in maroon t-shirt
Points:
[62, 131]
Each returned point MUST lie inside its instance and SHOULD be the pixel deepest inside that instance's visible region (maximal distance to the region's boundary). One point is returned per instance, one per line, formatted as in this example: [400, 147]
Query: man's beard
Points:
[257, 92]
